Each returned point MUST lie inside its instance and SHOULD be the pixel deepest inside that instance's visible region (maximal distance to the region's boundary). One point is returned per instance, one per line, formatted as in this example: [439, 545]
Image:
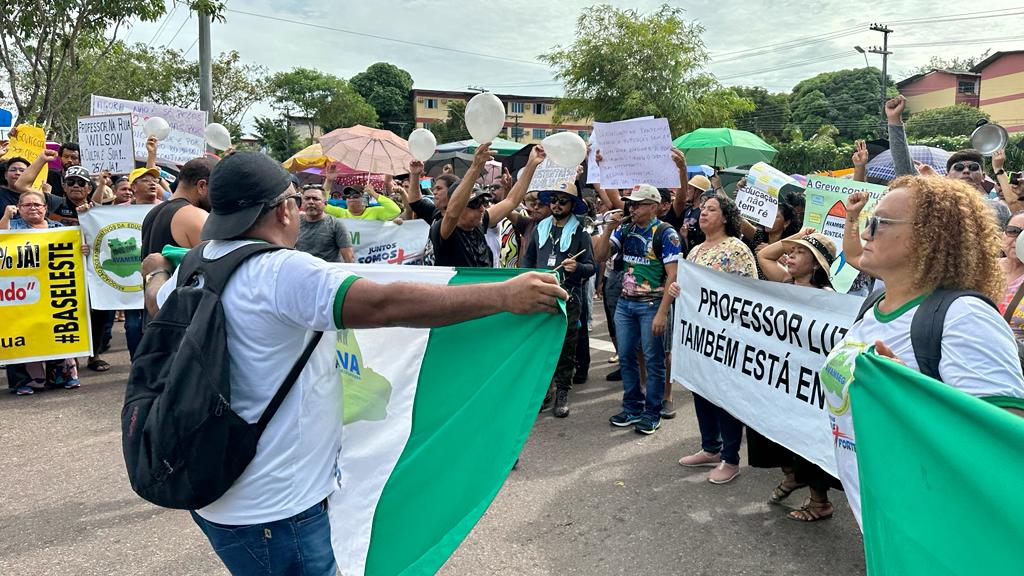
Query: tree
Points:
[954, 63]
[386, 87]
[278, 137]
[454, 128]
[40, 45]
[847, 99]
[321, 98]
[623, 64]
[958, 120]
[770, 115]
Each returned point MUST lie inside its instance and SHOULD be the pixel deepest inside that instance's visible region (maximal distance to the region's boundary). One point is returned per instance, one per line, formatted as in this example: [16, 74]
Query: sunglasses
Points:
[1013, 231]
[476, 203]
[874, 221]
[297, 196]
[76, 182]
[971, 166]
[561, 201]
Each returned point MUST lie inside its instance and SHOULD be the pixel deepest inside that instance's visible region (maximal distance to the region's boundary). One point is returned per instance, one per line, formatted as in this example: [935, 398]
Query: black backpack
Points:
[926, 327]
[183, 444]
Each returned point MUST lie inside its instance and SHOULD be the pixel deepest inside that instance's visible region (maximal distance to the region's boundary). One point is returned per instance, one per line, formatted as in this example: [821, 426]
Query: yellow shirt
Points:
[387, 210]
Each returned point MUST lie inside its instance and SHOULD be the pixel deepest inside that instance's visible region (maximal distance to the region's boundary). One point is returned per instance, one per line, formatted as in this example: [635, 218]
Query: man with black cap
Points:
[561, 242]
[77, 189]
[459, 238]
[273, 303]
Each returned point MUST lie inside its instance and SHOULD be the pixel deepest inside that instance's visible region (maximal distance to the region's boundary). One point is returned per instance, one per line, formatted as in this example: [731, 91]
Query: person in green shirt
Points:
[357, 208]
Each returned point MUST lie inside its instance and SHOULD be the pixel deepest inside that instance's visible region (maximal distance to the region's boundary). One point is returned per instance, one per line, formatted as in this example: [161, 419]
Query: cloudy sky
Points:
[754, 42]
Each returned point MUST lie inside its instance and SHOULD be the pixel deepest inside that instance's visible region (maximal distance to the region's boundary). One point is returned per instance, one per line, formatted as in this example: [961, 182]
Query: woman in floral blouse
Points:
[722, 250]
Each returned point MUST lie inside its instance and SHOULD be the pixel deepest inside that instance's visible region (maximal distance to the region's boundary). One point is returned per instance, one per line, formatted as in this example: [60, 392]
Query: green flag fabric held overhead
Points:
[941, 475]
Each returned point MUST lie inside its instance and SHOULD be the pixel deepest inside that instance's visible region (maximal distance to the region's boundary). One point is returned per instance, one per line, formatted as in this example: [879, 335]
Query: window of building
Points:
[427, 125]
[515, 107]
[965, 86]
[431, 103]
[538, 108]
[539, 133]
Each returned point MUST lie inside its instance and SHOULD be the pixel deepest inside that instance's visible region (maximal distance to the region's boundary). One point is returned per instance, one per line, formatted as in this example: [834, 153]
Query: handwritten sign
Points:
[551, 176]
[757, 205]
[593, 168]
[106, 143]
[27, 142]
[635, 152]
[186, 140]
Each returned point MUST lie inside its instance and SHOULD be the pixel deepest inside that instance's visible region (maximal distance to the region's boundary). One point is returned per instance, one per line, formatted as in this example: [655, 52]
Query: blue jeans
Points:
[720, 432]
[132, 330]
[633, 329]
[297, 545]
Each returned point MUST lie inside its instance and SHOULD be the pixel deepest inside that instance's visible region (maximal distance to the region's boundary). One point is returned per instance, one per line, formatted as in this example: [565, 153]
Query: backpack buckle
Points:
[164, 471]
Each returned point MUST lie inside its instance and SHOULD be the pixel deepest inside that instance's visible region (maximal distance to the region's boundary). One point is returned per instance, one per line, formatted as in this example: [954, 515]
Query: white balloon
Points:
[157, 127]
[1020, 247]
[566, 149]
[217, 136]
[485, 117]
[422, 144]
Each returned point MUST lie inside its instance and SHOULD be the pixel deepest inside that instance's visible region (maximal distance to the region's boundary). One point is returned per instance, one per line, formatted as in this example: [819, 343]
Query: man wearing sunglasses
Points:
[357, 205]
[561, 242]
[459, 238]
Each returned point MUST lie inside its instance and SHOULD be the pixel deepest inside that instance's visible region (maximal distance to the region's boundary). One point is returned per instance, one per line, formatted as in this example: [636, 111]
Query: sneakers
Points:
[645, 426]
[724, 473]
[668, 410]
[561, 404]
[25, 391]
[701, 458]
[614, 376]
[623, 419]
[72, 384]
[614, 359]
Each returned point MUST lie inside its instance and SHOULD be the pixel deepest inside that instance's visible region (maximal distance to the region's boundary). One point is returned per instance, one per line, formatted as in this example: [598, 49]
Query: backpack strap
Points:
[289, 380]
[658, 237]
[1012, 306]
[926, 327]
[869, 303]
[217, 271]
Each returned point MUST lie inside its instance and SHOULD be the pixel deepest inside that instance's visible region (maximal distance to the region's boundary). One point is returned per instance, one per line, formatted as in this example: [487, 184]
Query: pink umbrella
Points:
[369, 150]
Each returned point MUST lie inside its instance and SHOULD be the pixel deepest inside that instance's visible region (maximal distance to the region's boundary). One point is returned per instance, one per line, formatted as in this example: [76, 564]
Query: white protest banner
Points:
[636, 151]
[113, 268]
[593, 168]
[551, 176]
[106, 143]
[826, 212]
[757, 205]
[386, 242]
[186, 140]
[755, 348]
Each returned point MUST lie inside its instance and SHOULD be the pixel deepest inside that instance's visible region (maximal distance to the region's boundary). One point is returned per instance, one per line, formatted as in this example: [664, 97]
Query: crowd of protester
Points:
[619, 250]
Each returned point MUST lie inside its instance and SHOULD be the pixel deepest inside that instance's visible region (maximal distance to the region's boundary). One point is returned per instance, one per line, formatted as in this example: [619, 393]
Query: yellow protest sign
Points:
[27, 142]
[44, 314]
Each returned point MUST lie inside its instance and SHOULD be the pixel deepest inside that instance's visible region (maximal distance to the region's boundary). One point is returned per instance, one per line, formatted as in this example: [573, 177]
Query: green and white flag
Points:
[114, 266]
[940, 474]
[434, 421]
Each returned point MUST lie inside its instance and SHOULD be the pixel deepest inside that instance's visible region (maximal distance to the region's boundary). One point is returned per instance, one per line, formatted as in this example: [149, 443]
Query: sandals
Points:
[98, 366]
[812, 511]
[780, 492]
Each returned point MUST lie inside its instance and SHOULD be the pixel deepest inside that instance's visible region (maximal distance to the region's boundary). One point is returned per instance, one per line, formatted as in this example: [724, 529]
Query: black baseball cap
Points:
[240, 186]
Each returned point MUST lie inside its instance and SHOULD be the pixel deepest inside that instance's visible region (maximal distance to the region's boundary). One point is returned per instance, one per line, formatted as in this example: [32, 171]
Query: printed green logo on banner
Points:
[117, 256]
[365, 393]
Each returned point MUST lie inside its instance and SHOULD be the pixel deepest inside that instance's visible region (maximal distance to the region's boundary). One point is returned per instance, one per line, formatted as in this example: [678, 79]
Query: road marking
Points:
[603, 345]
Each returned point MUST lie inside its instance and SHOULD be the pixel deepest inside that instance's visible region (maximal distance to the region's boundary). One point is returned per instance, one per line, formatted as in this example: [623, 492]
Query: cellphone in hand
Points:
[426, 183]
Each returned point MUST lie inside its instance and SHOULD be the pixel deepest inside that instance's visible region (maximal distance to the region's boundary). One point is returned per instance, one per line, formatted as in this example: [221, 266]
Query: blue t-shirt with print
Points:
[643, 272]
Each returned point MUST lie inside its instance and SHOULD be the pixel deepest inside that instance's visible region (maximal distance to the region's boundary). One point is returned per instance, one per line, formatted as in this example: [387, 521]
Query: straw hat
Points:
[821, 246]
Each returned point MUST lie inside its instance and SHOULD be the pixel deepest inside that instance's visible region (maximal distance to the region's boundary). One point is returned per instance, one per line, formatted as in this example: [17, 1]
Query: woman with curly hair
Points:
[926, 234]
[722, 250]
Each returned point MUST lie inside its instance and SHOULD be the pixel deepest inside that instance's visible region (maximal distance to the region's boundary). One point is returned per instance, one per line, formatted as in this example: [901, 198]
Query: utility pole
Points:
[205, 65]
[515, 125]
[884, 51]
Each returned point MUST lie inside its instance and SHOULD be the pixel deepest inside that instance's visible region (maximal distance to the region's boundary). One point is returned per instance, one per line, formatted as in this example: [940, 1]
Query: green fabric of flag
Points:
[941, 475]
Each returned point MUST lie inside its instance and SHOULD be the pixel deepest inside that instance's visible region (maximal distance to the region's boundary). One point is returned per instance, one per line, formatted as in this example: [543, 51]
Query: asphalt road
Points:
[585, 499]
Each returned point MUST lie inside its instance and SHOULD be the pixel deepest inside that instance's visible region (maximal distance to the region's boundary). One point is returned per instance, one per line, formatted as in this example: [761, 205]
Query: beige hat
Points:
[823, 248]
[644, 193]
[700, 182]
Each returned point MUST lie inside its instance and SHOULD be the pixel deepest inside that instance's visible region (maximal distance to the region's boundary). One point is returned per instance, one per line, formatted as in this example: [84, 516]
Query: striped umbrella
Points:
[881, 169]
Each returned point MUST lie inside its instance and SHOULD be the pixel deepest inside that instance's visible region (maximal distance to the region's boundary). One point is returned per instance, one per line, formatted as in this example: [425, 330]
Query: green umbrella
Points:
[724, 147]
[500, 145]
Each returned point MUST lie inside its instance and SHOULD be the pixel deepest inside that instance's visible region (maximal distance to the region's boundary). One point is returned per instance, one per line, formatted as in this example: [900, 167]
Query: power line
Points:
[163, 24]
[183, 22]
[386, 38]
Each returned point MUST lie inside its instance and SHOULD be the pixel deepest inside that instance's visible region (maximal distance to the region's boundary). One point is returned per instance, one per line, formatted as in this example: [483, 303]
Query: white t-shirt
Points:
[272, 304]
[979, 356]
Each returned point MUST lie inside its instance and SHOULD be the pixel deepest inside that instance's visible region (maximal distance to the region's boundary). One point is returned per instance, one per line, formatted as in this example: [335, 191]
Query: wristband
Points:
[149, 277]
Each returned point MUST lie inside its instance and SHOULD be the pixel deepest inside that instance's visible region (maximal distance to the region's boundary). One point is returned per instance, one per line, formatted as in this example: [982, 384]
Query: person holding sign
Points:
[650, 250]
[720, 433]
[561, 241]
[926, 268]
